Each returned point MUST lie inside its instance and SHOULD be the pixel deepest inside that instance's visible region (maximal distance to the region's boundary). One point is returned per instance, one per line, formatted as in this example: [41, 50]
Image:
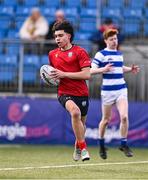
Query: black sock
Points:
[101, 142]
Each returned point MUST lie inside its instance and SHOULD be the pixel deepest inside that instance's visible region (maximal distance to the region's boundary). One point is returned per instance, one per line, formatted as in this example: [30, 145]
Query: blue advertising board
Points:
[44, 121]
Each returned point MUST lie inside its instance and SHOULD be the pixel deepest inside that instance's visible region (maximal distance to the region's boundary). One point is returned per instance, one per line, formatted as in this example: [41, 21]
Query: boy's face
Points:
[112, 42]
[62, 38]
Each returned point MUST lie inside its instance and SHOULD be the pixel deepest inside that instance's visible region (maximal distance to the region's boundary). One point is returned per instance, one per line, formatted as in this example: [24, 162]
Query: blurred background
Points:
[28, 108]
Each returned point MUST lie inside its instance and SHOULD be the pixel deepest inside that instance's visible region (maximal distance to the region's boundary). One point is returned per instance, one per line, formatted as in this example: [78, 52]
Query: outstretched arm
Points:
[97, 70]
[134, 69]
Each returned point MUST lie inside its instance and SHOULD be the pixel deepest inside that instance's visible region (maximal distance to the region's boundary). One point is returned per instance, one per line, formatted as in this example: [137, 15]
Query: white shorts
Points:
[111, 97]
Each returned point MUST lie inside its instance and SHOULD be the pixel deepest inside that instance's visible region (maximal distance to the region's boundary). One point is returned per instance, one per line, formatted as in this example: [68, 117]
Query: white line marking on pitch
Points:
[72, 165]
[8, 146]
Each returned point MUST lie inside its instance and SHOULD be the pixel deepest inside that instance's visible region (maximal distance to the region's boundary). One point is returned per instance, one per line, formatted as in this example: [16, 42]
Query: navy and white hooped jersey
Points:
[113, 80]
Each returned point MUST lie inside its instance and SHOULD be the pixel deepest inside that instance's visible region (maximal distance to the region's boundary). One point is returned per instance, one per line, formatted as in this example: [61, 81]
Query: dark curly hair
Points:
[66, 26]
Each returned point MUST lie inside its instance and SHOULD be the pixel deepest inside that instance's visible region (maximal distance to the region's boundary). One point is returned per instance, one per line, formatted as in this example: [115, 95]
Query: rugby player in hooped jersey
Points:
[72, 66]
[109, 62]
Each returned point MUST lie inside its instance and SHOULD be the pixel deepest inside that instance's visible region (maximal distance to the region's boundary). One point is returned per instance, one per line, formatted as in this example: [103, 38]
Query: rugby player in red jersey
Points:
[72, 66]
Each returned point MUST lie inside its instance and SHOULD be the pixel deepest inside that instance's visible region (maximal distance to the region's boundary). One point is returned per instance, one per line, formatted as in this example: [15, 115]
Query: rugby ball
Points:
[45, 73]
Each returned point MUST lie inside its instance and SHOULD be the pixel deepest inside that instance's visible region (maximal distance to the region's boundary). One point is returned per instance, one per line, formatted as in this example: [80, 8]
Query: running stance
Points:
[109, 62]
[72, 66]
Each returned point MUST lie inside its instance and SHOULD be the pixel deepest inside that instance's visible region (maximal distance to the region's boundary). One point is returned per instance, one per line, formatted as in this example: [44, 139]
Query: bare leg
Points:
[83, 119]
[122, 106]
[79, 131]
[106, 115]
[77, 124]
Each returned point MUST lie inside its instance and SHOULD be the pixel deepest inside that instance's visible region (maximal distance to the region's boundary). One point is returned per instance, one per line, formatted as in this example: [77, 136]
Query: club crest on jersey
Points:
[110, 59]
[83, 103]
[56, 55]
[70, 54]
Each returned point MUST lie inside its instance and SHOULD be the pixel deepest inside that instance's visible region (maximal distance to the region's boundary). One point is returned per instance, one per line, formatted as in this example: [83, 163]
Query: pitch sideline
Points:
[72, 165]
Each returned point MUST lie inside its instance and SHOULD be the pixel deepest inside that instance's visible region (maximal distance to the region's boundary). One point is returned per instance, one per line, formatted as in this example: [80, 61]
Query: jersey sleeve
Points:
[97, 60]
[84, 59]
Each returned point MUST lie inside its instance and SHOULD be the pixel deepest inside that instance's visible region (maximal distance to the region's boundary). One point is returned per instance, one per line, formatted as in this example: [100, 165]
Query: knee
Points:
[75, 113]
[124, 119]
[105, 121]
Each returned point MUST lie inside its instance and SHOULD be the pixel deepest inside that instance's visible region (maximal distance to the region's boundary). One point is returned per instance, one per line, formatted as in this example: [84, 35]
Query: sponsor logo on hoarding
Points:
[16, 113]
[19, 131]
[110, 134]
